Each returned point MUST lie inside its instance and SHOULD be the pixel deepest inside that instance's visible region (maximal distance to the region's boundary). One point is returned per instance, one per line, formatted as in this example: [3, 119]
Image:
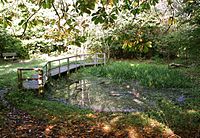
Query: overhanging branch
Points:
[56, 14]
[27, 20]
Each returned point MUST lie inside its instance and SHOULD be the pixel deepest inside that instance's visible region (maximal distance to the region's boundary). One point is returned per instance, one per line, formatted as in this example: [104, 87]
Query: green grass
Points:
[43, 108]
[149, 75]
[182, 119]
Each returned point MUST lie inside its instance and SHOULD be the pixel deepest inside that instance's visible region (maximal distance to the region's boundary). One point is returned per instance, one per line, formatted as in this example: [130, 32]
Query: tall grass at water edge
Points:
[149, 75]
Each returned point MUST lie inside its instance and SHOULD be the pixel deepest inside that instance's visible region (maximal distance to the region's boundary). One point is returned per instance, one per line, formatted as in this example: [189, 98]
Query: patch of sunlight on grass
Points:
[91, 115]
[133, 132]
[134, 65]
[7, 66]
[107, 128]
[115, 120]
[192, 111]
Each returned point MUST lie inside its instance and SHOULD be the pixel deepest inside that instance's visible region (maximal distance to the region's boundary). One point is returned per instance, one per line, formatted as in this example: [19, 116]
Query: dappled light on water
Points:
[101, 95]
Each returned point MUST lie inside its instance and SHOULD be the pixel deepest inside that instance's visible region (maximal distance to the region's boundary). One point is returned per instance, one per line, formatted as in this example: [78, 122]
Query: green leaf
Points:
[135, 11]
[44, 5]
[153, 2]
[94, 18]
[87, 11]
[146, 49]
[21, 22]
[114, 16]
[145, 6]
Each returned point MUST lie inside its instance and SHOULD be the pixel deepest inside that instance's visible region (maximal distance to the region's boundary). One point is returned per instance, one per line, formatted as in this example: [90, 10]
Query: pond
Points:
[100, 94]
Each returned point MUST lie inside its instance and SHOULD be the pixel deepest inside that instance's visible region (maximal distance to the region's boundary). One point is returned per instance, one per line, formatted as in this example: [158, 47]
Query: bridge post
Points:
[95, 59]
[19, 73]
[59, 68]
[40, 81]
[68, 65]
[49, 70]
[84, 60]
[46, 71]
[104, 58]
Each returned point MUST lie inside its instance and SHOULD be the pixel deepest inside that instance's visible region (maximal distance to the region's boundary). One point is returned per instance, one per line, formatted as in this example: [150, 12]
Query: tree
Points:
[104, 11]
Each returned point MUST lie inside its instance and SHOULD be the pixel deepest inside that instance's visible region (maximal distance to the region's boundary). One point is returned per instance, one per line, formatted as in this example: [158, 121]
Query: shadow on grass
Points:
[165, 121]
[184, 121]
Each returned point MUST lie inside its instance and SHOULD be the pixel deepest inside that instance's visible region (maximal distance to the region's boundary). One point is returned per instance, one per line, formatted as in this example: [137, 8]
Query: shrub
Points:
[9, 43]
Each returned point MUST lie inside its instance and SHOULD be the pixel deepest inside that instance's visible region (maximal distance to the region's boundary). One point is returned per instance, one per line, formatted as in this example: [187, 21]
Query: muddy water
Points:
[100, 95]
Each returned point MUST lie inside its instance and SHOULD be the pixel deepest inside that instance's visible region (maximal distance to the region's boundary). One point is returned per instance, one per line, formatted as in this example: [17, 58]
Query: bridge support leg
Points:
[40, 81]
[19, 74]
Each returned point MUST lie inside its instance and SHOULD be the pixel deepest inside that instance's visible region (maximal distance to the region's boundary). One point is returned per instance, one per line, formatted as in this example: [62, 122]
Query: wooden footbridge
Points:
[37, 77]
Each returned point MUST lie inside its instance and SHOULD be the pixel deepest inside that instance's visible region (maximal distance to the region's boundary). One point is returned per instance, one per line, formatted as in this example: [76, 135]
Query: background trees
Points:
[121, 28]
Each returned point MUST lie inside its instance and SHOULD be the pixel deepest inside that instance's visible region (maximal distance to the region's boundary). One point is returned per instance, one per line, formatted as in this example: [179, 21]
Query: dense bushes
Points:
[25, 48]
[9, 43]
[183, 43]
[129, 40]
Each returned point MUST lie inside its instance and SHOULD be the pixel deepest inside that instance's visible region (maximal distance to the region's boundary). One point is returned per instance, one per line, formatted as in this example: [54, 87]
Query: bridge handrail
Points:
[44, 71]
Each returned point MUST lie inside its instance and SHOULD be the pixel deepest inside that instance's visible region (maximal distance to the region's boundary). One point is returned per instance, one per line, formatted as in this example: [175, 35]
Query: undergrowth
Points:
[148, 75]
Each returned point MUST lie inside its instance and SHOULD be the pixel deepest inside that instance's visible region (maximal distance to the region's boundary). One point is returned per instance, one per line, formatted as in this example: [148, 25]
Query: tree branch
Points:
[57, 15]
[27, 20]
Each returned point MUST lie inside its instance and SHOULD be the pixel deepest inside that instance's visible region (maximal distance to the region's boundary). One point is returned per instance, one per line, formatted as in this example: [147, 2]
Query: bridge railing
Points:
[39, 76]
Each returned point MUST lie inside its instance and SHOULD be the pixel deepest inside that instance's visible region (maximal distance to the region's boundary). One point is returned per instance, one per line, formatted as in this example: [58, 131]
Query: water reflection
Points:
[101, 95]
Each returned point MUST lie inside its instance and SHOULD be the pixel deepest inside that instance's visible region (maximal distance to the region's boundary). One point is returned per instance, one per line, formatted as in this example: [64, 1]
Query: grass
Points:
[149, 75]
[182, 119]
[42, 108]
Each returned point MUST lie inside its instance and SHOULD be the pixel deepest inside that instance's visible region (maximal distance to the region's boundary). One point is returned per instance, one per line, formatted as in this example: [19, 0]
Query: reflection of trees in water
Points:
[78, 93]
[91, 94]
[88, 94]
[100, 96]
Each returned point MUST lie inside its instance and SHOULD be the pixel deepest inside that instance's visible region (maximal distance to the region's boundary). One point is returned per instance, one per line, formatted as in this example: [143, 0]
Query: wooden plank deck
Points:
[31, 84]
[34, 84]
